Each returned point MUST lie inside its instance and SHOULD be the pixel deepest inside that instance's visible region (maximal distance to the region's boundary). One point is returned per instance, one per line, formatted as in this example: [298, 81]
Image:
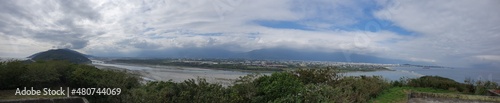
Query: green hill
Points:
[61, 54]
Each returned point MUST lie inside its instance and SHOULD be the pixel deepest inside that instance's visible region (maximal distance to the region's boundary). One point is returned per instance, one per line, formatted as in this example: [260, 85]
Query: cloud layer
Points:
[455, 33]
[449, 33]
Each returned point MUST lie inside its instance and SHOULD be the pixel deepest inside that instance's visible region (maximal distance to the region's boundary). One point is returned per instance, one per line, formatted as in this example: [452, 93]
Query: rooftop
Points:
[495, 92]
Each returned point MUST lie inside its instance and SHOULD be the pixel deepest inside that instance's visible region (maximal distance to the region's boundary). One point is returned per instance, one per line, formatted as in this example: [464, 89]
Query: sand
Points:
[177, 74]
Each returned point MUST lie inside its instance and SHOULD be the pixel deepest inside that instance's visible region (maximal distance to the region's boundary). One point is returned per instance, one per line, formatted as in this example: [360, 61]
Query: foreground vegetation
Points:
[400, 94]
[303, 85]
[55, 74]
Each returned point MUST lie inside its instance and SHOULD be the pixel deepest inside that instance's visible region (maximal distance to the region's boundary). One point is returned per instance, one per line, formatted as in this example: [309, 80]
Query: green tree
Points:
[10, 72]
[315, 76]
[244, 89]
[278, 85]
[85, 76]
[40, 75]
[362, 88]
[435, 82]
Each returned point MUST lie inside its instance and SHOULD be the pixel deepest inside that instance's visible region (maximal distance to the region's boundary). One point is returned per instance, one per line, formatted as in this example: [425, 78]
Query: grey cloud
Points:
[139, 43]
[11, 8]
[49, 21]
[63, 39]
[329, 13]
[79, 8]
[122, 27]
[451, 32]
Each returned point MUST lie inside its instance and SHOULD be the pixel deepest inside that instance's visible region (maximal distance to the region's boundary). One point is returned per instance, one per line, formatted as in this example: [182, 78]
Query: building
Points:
[493, 92]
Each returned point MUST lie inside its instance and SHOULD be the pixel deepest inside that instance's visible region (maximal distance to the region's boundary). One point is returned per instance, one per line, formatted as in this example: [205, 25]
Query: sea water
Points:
[457, 74]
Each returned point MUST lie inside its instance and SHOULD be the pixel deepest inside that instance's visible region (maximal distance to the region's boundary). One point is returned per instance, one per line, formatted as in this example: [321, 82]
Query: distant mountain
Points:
[270, 54]
[292, 54]
[61, 54]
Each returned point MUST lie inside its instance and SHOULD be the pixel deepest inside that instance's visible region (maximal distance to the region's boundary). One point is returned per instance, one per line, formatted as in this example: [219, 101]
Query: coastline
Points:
[178, 74]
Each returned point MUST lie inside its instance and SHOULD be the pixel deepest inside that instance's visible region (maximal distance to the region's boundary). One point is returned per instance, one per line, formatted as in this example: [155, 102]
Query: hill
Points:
[292, 54]
[61, 54]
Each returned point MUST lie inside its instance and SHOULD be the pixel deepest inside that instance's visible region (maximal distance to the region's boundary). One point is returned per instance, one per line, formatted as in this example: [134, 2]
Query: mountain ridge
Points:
[269, 54]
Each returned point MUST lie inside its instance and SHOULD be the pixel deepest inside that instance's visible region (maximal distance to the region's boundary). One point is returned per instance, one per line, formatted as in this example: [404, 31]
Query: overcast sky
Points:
[447, 32]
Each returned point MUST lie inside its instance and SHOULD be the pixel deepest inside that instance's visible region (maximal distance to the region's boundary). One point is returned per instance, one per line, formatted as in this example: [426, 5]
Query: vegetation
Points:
[400, 94]
[55, 74]
[303, 85]
[456, 96]
[292, 86]
[468, 87]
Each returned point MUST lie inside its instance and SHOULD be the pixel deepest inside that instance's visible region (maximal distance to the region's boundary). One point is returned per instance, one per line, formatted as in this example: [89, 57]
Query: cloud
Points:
[61, 23]
[325, 14]
[451, 32]
[443, 32]
[177, 24]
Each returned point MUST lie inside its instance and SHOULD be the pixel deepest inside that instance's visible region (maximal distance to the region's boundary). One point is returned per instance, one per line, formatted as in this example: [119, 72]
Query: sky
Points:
[444, 32]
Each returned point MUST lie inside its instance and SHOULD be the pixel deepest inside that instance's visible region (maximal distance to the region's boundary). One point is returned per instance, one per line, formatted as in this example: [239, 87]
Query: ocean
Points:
[457, 74]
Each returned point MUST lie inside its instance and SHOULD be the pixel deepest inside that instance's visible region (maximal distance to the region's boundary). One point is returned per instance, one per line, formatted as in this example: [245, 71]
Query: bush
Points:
[315, 76]
[481, 87]
[16, 74]
[189, 91]
[436, 82]
[85, 76]
[468, 87]
[278, 85]
[244, 89]
[50, 74]
[152, 92]
[200, 91]
[40, 75]
[321, 93]
[362, 88]
[10, 72]
[310, 85]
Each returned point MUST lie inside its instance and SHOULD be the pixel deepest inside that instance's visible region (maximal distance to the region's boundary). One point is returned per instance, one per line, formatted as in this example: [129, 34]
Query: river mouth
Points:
[178, 74]
[227, 77]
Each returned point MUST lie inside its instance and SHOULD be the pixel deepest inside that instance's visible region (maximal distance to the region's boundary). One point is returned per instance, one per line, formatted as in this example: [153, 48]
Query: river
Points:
[226, 77]
[179, 74]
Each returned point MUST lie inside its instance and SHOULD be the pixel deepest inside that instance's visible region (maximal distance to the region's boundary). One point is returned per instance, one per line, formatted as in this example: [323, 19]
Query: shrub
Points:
[278, 85]
[85, 76]
[152, 92]
[321, 93]
[403, 81]
[40, 75]
[49, 74]
[244, 89]
[362, 88]
[315, 76]
[435, 82]
[10, 72]
[189, 91]
[200, 91]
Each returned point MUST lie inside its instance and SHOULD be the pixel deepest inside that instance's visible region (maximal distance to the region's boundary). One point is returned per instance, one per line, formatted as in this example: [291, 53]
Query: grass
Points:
[400, 94]
[458, 96]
